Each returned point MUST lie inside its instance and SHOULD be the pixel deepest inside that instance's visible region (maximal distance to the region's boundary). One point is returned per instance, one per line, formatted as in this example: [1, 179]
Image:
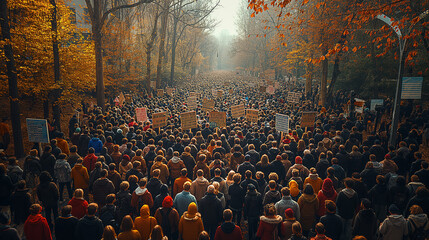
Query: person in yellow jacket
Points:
[80, 175]
[314, 180]
[190, 224]
[145, 223]
[164, 172]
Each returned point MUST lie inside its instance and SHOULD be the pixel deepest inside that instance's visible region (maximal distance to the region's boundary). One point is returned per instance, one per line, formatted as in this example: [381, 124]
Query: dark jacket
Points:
[252, 205]
[123, 203]
[347, 203]
[228, 231]
[101, 188]
[6, 188]
[20, 205]
[365, 224]
[154, 186]
[333, 225]
[236, 192]
[47, 161]
[211, 210]
[65, 227]
[271, 197]
[48, 193]
[8, 233]
[89, 228]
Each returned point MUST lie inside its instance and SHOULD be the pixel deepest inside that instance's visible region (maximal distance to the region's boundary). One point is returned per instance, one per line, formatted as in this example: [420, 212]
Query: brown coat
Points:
[175, 165]
[308, 206]
[165, 173]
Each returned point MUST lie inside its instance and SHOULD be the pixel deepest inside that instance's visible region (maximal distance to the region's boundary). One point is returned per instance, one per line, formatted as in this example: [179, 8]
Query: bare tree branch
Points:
[114, 9]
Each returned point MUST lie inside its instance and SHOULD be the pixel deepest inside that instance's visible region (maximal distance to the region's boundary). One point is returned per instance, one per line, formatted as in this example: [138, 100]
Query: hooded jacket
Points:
[8, 233]
[315, 181]
[252, 204]
[199, 187]
[62, 171]
[172, 216]
[228, 231]
[417, 221]
[48, 193]
[190, 224]
[271, 197]
[165, 173]
[79, 207]
[365, 224]
[270, 228]
[89, 161]
[96, 144]
[140, 197]
[65, 227]
[175, 165]
[145, 223]
[326, 193]
[202, 165]
[178, 184]
[157, 201]
[101, 188]
[286, 203]
[347, 203]
[308, 206]
[211, 210]
[36, 228]
[80, 176]
[189, 162]
[394, 227]
[89, 228]
[20, 203]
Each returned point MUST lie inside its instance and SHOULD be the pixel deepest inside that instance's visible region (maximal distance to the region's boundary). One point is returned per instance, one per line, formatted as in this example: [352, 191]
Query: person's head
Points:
[227, 215]
[210, 189]
[200, 173]
[330, 206]
[320, 228]
[156, 173]
[111, 198]
[269, 210]
[285, 191]
[142, 182]
[204, 236]
[35, 209]
[236, 178]
[394, 210]
[103, 173]
[66, 210]
[92, 209]
[349, 183]
[416, 210]
[365, 203]
[297, 229]
[127, 224]
[183, 172]
[91, 150]
[124, 185]
[248, 174]
[415, 178]
[156, 233]
[187, 186]
[272, 184]
[4, 218]
[425, 165]
[308, 189]
[109, 233]
[260, 175]
[380, 179]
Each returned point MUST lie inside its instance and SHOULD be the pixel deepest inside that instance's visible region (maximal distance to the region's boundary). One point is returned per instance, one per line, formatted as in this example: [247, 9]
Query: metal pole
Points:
[396, 106]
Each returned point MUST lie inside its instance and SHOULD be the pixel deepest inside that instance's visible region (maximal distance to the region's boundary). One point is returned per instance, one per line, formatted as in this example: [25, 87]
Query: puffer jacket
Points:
[270, 228]
[62, 171]
[190, 224]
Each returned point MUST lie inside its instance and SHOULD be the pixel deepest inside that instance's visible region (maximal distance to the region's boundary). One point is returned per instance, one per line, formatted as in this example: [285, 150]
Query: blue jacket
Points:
[96, 144]
[182, 201]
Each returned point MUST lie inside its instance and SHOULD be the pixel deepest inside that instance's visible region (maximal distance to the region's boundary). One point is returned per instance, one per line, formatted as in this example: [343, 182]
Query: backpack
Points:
[419, 233]
[108, 217]
[166, 221]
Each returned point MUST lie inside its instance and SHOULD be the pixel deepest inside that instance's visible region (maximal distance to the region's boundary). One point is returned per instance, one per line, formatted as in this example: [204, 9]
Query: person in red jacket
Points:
[79, 204]
[270, 226]
[90, 160]
[228, 230]
[36, 227]
[141, 196]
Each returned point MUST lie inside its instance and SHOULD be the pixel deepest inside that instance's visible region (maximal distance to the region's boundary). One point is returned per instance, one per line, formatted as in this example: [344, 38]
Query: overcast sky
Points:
[226, 14]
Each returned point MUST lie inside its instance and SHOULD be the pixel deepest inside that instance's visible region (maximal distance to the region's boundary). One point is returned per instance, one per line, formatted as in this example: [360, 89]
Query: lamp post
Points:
[402, 47]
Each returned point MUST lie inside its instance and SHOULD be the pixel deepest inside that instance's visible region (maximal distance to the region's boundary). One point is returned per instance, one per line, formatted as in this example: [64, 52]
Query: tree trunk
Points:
[161, 52]
[335, 73]
[309, 80]
[46, 109]
[12, 80]
[149, 48]
[173, 50]
[96, 33]
[57, 77]
[324, 80]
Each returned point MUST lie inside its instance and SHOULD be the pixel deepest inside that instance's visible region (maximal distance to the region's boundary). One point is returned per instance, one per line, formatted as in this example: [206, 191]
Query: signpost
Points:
[252, 115]
[141, 114]
[37, 130]
[219, 118]
[237, 111]
[282, 123]
[159, 120]
[188, 120]
[307, 119]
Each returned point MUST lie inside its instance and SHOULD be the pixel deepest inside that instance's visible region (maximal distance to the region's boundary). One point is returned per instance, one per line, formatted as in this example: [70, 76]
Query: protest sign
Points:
[121, 99]
[160, 92]
[237, 111]
[128, 98]
[208, 104]
[37, 130]
[307, 119]
[188, 120]
[192, 103]
[282, 123]
[270, 89]
[252, 115]
[159, 120]
[141, 114]
[219, 118]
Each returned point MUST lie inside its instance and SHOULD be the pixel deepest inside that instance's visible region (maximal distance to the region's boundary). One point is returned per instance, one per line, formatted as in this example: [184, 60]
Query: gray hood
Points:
[419, 219]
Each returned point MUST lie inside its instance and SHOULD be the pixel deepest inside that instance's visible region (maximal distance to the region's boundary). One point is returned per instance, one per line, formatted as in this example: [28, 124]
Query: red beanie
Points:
[298, 160]
[126, 157]
[387, 156]
[289, 213]
[168, 202]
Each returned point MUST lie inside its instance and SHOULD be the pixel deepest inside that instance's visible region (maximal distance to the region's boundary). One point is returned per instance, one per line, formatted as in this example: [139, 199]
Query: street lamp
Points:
[402, 47]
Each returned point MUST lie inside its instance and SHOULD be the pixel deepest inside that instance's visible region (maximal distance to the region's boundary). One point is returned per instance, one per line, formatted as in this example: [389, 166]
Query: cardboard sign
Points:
[270, 89]
[359, 103]
[169, 90]
[252, 115]
[153, 84]
[121, 99]
[282, 123]
[159, 120]
[237, 111]
[188, 120]
[208, 105]
[219, 118]
[294, 97]
[160, 92]
[375, 103]
[192, 103]
[37, 130]
[141, 114]
[307, 119]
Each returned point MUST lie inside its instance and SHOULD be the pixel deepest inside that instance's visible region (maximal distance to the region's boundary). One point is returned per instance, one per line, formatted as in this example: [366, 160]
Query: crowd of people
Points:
[116, 178]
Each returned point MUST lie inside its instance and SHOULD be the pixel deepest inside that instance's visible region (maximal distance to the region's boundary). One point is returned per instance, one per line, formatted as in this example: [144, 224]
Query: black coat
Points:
[89, 228]
[365, 224]
[8, 233]
[20, 205]
[252, 205]
[48, 194]
[211, 210]
[333, 225]
[65, 228]
[236, 192]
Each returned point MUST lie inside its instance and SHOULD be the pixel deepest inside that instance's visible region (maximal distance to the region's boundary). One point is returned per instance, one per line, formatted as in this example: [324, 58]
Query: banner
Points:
[128, 98]
[307, 119]
[37, 130]
[270, 89]
[282, 123]
[121, 99]
[188, 120]
[375, 103]
[252, 115]
[141, 114]
[192, 103]
[219, 118]
[159, 120]
[208, 105]
[160, 92]
[412, 87]
[237, 111]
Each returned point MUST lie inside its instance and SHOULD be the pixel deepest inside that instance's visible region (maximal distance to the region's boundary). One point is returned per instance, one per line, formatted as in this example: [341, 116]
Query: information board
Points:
[141, 114]
[159, 120]
[308, 118]
[219, 118]
[188, 120]
[237, 111]
[282, 123]
[412, 87]
[37, 130]
[375, 103]
[252, 115]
